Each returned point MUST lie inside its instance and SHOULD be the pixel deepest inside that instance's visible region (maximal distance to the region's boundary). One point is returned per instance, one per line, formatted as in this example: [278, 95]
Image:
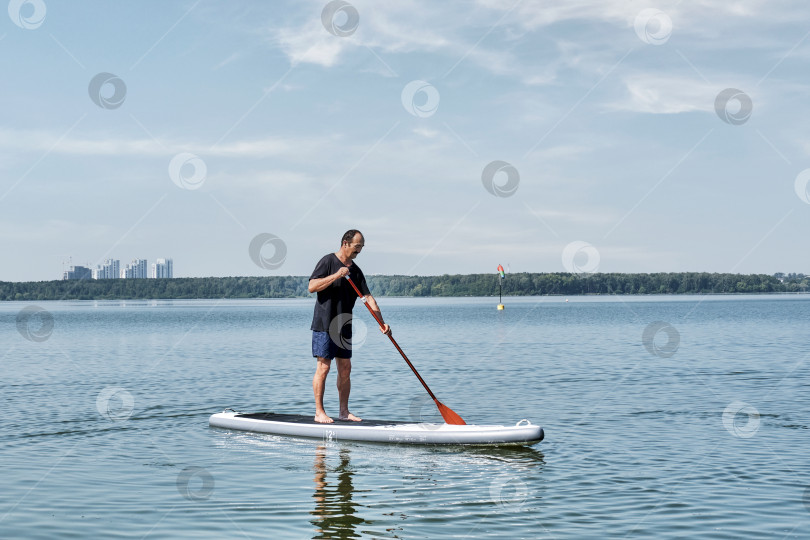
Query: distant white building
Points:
[111, 269]
[135, 269]
[163, 268]
[77, 272]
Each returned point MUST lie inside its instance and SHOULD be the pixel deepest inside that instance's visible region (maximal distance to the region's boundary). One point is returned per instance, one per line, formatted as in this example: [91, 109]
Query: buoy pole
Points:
[500, 291]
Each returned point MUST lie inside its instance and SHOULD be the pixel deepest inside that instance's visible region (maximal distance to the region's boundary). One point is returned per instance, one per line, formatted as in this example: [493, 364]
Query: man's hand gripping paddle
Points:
[447, 413]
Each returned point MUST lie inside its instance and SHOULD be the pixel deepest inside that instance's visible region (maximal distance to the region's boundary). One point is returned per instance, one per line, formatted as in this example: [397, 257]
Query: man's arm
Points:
[376, 309]
[319, 284]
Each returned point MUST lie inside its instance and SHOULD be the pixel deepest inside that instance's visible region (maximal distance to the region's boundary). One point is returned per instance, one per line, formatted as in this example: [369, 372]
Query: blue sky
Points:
[614, 154]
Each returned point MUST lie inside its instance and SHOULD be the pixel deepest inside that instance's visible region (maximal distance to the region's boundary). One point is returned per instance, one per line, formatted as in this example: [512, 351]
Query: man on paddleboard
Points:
[331, 322]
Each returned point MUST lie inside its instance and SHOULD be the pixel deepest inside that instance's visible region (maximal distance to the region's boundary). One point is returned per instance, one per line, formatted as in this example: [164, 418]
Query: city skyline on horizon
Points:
[111, 269]
[778, 275]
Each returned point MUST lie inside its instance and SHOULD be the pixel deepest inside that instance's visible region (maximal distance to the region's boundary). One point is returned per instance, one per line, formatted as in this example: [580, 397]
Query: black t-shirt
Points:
[339, 296]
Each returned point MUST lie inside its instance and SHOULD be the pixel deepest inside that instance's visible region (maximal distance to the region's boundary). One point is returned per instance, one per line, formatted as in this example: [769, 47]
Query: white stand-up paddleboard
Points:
[382, 431]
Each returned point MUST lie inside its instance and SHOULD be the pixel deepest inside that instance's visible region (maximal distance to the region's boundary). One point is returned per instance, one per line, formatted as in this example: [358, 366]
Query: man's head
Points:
[351, 243]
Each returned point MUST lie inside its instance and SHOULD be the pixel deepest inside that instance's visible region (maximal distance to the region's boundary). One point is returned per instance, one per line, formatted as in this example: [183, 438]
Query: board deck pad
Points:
[303, 419]
[380, 431]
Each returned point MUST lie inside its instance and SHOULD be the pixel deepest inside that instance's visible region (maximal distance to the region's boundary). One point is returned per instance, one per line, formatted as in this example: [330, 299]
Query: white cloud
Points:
[692, 16]
[406, 26]
[426, 132]
[398, 28]
[45, 141]
[271, 180]
[311, 45]
[568, 151]
[46, 230]
[484, 32]
[664, 94]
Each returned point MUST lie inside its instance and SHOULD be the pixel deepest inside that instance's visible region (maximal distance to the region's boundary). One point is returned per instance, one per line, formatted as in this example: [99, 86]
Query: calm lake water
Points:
[664, 417]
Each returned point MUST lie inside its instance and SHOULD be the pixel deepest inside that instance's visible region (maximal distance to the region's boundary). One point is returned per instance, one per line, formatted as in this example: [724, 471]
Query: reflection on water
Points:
[515, 455]
[508, 479]
[335, 512]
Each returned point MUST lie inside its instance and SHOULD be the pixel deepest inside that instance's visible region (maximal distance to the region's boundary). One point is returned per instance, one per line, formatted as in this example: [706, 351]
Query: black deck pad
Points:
[302, 419]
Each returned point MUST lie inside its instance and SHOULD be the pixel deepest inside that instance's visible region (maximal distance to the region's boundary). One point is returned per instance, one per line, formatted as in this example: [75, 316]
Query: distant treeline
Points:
[521, 284]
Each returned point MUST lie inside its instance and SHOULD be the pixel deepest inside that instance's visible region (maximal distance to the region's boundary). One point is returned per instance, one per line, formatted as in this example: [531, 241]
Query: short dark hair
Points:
[348, 236]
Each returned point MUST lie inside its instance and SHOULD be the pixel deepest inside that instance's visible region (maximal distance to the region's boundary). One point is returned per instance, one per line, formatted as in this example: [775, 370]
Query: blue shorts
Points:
[324, 347]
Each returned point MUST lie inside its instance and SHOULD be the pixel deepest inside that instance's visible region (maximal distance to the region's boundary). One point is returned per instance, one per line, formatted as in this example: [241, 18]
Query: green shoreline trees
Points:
[519, 284]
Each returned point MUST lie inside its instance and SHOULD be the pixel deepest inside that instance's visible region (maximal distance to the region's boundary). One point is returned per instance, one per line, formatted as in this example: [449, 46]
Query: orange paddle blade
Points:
[449, 415]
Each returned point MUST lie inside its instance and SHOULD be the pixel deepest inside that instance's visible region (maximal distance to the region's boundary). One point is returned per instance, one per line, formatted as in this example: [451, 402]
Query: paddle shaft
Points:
[382, 325]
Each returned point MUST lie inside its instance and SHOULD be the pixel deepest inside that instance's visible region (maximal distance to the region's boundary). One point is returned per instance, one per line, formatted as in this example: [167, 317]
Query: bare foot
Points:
[323, 419]
[351, 417]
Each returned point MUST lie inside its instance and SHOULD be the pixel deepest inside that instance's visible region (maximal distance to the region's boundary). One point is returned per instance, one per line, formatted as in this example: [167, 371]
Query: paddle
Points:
[448, 414]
